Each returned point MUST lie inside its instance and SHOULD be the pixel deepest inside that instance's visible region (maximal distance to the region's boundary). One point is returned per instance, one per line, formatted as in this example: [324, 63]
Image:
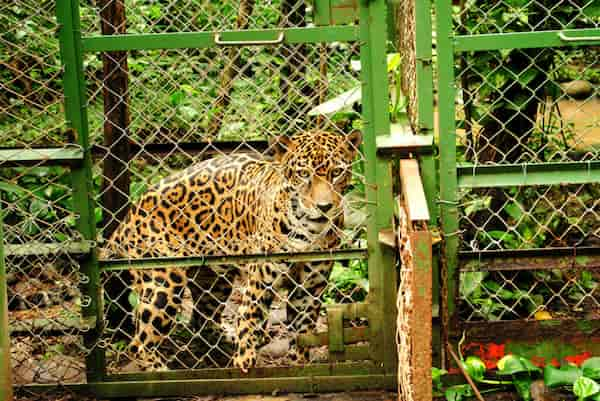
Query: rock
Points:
[539, 392]
[578, 89]
[277, 348]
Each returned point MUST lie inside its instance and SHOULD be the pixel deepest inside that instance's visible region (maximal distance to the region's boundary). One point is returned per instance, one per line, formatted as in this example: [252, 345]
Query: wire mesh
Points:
[43, 277]
[199, 107]
[30, 89]
[537, 294]
[520, 106]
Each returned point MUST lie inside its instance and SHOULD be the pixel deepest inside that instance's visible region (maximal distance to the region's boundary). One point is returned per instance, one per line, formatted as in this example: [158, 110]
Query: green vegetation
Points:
[518, 373]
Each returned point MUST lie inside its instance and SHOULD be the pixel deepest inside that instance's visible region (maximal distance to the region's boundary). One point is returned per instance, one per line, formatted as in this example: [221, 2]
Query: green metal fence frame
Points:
[453, 176]
[379, 371]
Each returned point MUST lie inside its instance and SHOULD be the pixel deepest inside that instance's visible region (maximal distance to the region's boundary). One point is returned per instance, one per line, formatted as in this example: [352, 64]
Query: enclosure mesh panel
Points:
[44, 301]
[521, 106]
[30, 75]
[195, 105]
[43, 278]
[529, 105]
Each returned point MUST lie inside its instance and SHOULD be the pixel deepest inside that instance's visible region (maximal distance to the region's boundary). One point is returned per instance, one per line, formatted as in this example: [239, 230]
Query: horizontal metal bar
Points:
[205, 149]
[20, 156]
[42, 249]
[530, 253]
[195, 261]
[531, 262]
[207, 39]
[505, 175]
[180, 388]
[568, 329]
[525, 40]
[316, 369]
[54, 326]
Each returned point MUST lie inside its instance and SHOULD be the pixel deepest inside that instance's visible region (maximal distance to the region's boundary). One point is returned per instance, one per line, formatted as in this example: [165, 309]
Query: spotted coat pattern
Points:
[238, 204]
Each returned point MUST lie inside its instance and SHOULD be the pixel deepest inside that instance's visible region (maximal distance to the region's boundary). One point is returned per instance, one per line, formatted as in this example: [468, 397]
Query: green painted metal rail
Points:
[196, 261]
[41, 156]
[192, 40]
[503, 175]
[526, 40]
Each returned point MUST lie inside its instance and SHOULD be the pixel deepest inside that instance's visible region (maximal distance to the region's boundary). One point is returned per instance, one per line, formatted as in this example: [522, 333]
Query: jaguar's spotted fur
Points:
[239, 204]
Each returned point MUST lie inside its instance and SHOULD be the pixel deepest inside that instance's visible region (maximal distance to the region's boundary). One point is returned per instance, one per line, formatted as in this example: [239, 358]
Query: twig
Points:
[464, 373]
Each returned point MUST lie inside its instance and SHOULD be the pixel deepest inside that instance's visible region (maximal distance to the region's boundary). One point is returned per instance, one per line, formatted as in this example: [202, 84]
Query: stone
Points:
[578, 89]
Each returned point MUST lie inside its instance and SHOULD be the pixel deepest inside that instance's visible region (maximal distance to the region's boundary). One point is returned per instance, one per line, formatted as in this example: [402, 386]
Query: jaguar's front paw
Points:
[244, 358]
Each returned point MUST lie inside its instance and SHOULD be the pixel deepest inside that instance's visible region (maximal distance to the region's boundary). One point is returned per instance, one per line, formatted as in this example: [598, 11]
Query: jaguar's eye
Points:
[336, 172]
[303, 173]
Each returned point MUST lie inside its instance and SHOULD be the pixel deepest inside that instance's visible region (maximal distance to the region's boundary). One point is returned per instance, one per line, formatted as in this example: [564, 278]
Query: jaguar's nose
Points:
[324, 207]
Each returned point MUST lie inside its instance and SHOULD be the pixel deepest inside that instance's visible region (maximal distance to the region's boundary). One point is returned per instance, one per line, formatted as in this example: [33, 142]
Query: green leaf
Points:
[585, 387]
[592, 10]
[471, 282]
[393, 61]
[512, 364]
[458, 392]
[565, 376]
[513, 210]
[474, 367]
[176, 98]
[12, 188]
[477, 205]
[591, 368]
[436, 377]
[523, 387]
[527, 76]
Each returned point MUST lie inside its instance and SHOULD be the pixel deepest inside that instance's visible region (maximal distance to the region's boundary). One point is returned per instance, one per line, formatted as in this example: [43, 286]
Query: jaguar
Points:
[239, 204]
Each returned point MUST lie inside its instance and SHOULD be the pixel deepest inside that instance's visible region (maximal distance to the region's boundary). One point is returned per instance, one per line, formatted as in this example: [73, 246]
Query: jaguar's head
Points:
[318, 166]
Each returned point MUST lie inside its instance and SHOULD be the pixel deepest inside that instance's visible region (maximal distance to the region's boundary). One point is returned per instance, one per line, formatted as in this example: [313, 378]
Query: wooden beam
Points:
[412, 191]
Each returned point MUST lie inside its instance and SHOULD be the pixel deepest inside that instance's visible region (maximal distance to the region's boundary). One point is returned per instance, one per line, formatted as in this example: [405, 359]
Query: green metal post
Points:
[76, 114]
[5, 372]
[448, 177]
[382, 272]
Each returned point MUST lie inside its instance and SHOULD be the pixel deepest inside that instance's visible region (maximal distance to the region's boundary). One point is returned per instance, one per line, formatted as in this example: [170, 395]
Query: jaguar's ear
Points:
[355, 140]
[279, 146]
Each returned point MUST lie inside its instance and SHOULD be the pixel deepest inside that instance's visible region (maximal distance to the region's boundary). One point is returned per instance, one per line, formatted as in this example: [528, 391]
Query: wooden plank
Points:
[402, 145]
[412, 191]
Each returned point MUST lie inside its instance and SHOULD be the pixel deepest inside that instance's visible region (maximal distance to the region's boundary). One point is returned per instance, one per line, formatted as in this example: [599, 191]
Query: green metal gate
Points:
[146, 91]
[519, 172]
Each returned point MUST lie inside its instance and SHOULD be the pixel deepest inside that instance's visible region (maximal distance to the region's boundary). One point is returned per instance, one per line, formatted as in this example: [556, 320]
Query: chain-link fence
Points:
[40, 239]
[226, 111]
[518, 107]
